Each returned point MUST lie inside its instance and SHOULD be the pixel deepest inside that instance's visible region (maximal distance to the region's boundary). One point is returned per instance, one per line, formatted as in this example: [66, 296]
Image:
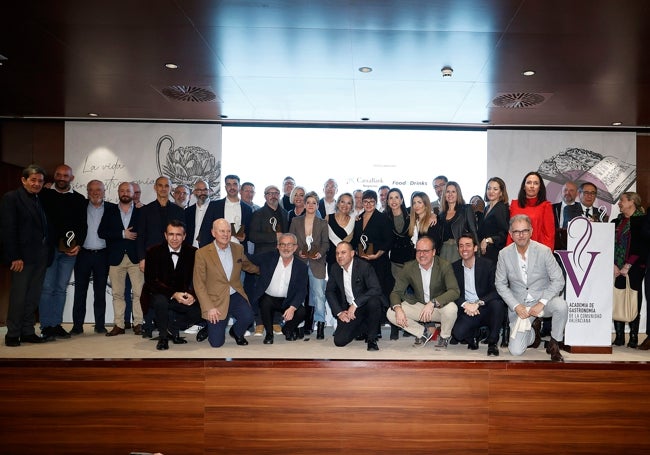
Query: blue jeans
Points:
[317, 296]
[57, 277]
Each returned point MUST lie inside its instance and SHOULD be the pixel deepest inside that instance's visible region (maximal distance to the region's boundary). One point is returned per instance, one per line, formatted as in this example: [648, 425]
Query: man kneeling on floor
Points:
[282, 286]
[354, 294]
[529, 280]
[168, 286]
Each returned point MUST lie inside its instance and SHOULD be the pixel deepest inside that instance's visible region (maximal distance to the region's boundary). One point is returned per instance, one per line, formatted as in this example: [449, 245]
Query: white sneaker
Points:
[192, 330]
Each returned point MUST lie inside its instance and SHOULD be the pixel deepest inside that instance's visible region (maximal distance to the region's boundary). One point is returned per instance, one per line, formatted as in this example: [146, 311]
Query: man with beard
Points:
[268, 222]
[200, 216]
[182, 196]
[92, 260]
[438, 186]
[236, 212]
[66, 215]
[120, 227]
[26, 250]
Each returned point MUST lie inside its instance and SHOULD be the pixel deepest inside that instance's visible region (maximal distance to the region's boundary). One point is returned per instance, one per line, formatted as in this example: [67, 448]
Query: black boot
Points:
[619, 328]
[506, 334]
[320, 330]
[634, 334]
[309, 319]
[394, 332]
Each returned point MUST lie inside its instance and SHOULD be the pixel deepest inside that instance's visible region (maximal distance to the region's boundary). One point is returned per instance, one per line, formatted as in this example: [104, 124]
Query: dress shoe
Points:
[177, 339]
[202, 335]
[472, 344]
[537, 327]
[289, 335]
[634, 341]
[645, 345]
[394, 332]
[493, 350]
[100, 329]
[372, 345]
[163, 344]
[48, 334]
[320, 330]
[268, 339]
[241, 341]
[76, 330]
[137, 329]
[33, 338]
[115, 331]
[300, 333]
[553, 348]
[362, 337]
[147, 333]
[60, 332]
[12, 341]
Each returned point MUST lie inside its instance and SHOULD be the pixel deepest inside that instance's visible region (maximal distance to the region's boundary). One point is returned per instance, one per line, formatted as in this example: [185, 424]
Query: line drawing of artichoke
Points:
[186, 165]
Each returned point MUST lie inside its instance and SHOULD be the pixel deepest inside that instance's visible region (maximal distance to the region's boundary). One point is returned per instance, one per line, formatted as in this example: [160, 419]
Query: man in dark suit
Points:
[120, 227]
[355, 297]
[587, 193]
[200, 216]
[565, 211]
[281, 287]
[25, 242]
[479, 304]
[433, 299]
[236, 212]
[168, 285]
[268, 222]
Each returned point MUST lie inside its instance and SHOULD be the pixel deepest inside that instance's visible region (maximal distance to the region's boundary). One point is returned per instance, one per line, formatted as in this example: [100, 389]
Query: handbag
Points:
[625, 307]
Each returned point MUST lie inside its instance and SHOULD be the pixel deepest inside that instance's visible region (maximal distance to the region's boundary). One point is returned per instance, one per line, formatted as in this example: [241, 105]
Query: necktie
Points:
[587, 212]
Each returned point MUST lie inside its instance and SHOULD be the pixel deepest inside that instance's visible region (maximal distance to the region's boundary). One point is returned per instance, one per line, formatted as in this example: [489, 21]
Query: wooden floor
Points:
[343, 407]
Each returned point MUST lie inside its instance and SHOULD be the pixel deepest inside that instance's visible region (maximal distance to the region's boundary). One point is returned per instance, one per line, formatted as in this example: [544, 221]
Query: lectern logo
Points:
[579, 261]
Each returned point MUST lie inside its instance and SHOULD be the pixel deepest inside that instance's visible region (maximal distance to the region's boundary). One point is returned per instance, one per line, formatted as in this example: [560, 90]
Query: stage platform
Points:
[98, 395]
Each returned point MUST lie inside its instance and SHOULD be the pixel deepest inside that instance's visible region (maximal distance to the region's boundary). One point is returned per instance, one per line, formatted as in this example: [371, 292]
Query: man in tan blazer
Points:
[218, 286]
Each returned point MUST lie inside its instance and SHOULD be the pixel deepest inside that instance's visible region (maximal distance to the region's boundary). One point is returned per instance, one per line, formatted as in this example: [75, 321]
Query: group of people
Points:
[442, 270]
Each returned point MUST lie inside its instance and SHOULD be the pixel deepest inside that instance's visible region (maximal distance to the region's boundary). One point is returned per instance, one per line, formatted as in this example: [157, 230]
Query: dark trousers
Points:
[241, 311]
[491, 315]
[25, 295]
[367, 320]
[90, 263]
[270, 305]
[181, 315]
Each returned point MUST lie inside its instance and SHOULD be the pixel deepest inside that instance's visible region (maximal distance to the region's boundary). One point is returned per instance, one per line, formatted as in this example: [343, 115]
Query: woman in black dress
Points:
[402, 249]
[340, 225]
[493, 225]
[455, 218]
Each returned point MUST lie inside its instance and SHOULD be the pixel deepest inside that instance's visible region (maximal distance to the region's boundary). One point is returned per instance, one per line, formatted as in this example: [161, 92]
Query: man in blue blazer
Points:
[354, 294]
[530, 281]
[479, 303]
[281, 287]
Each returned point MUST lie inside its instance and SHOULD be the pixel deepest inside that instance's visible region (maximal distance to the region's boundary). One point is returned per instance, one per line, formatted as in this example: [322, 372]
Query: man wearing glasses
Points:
[435, 290]
[530, 281]
[587, 193]
[200, 216]
[269, 222]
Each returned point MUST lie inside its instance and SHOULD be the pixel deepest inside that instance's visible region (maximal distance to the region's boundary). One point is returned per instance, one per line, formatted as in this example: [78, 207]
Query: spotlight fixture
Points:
[171, 66]
[528, 73]
[223, 116]
[617, 123]
[447, 71]
[365, 119]
[92, 114]
[365, 69]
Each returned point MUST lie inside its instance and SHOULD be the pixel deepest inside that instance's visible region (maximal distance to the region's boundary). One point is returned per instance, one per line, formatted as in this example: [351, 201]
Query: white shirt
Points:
[347, 284]
[426, 282]
[174, 256]
[232, 213]
[198, 219]
[330, 207]
[279, 286]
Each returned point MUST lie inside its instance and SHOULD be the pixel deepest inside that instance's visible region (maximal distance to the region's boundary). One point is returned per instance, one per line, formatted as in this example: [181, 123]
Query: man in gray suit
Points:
[530, 281]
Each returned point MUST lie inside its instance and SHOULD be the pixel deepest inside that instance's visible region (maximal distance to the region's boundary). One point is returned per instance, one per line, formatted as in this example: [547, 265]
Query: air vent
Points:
[519, 100]
[189, 93]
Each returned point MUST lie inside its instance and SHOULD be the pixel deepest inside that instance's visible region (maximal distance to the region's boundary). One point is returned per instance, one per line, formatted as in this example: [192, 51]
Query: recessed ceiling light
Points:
[528, 73]
[92, 114]
[171, 66]
[223, 116]
[617, 123]
[485, 121]
[365, 69]
[365, 119]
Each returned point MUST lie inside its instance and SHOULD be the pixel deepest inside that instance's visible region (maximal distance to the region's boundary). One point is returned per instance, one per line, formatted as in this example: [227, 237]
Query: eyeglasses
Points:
[272, 193]
[589, 193]
[286, 245]
[423, 251]
[522, 232]
[369, 201]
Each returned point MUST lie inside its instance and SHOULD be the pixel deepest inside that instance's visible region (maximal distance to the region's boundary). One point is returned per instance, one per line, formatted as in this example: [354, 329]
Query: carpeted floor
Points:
[128, 346]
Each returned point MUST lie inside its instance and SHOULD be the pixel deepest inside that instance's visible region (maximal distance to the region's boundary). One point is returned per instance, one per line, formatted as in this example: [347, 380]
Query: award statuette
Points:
[365, 248]
[68, 243]
[233, 229]
[273, 222]
[307, 251]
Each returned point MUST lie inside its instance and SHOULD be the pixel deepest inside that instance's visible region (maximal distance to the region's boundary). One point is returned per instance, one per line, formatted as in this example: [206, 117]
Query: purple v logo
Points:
[568, 266]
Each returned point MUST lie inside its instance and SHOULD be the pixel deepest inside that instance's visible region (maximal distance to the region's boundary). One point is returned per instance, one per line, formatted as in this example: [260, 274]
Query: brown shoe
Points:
[137, 329]
[537, 327]
[116, 331]
[645, 345]
[553, 348]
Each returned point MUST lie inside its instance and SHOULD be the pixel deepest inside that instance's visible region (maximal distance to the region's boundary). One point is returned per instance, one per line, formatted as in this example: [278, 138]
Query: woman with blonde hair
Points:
[455, 219]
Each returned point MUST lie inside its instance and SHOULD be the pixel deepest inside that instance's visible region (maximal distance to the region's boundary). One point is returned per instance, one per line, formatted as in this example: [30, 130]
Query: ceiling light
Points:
[528, 73]
[365, 119]
[617, 123]
[92, 114]
[447, 71]
[365, 69]
[171, 66]
[223, 116]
